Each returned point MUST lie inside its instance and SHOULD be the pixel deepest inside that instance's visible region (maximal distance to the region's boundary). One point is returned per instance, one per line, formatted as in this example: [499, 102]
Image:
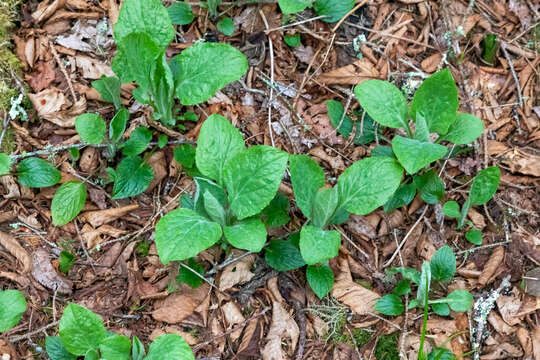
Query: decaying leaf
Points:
[13, 246]
[492, 265]
[249, 346]
[233, 316]
[355, 73]
[179, 305]
[92, 68]
[531, 282]
[52, 105]
[357, 297]
[283, 326]
[100, 217]
[237, 273]
[44, 272]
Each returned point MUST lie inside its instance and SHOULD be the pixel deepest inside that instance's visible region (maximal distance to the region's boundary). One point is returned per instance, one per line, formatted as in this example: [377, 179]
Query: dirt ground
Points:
[247, 310]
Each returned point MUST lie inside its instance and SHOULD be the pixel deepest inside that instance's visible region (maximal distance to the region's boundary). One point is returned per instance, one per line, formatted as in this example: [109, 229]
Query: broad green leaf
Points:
[293, 6]
[226, 26]
[402, 197]
[293, 40]
[340, 216]
[489, 47]
[37, 173]
[383, 102]
[441, 309]
[132, 177]
[440, 353]
[187, 276]
[283, 255]
[430, 186]
[248, 234]
[414, 154]
[203, 186]
[137, 350]
[443, 264]
[324, 206]
[390, 304]
[144, 16]
[466, 129]
[424, 284]
[169, 346]
[252, 179]
[205, 68]
[80, 330]
[180, 13]
[307, 177]
[115, 347]
[162, 140]
[451, 209]
[138, 141]
[68, 201]
[213, 7]
[55, 349]
[183, 234]
[383, 151]
[185, 155]
[118, 125]
[214, 209]
[407, 273]
[109, 89]
[320, 278]
[366, 130]
[368, 184]
[474, 236]
[334, 9]
[91, 355]
[403, 287]
[318, 245]
[91, 128]
[12, 306]
[162, 89]
[219, 141]
[335, 113]
[277, 212]
[421, 133]
[459, 300]
[187, 202]
[437, 101]
[65, 261]
[485, 185]
[5, 164]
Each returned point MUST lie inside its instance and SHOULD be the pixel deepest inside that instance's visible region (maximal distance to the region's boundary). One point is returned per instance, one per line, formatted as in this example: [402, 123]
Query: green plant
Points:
[235, 186]
[12, 306]
[440, 269]
[81, 333]
[333, 10]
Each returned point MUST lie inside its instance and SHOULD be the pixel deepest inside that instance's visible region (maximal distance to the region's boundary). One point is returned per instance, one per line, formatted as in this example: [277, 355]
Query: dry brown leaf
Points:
[536, 342]
[13, 246]
[355, 73]
[498, 323]
[100, 217]
[522, 162]
[283, 326]
[514, 306]
[335, 163]
[159, 165]
[10, 184]
[237, 273]
[357, 297]
[526, 342]
[44, 272]
[52, 105]
[92, 68]
[249, 346]
[531, 282]
[304, 53]
[431, 63]
[89, 160]
[233, 316]
[503, 351]
[495, 260]
[190, 339]
[477, 218]
[360, 226]
[7, 350]
[42, 76]
[179, 305]
[45, 9]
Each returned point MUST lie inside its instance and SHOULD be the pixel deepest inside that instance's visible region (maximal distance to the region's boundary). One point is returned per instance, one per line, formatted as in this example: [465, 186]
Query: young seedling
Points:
[81, 333]
[12, 306]
[440, 269]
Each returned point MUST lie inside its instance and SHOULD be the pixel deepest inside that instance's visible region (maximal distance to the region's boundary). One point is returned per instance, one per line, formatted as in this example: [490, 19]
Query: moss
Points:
[387, 347]
[360, 336]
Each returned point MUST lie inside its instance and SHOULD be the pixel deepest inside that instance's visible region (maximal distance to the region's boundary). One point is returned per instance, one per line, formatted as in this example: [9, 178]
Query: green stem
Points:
[464, 212]
[421, 354]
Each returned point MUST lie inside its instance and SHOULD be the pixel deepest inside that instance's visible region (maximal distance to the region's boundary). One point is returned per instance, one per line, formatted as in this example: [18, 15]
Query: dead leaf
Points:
[335, 163]
[100, 217]
[304, 53]
[536, 342]
[10, 184]
[531, 282]
[249, 346]
[159, 165]
[355, 73]
[237, 273]
[514, 306]
[503, 351]
[42, 76]
[233, 316]
[44, 272]
[92, 68]
[89, 160]
[45, 9]
[498, 323]
[495, 260]
[13, 246]
[52, 105]
[180, 304]
[357, 297]
[283, 326]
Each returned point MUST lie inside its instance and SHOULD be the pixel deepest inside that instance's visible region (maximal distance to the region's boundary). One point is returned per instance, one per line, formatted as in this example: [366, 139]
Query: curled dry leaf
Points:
[249, 346]
[21, 280]
[237, 273]
[503, 351]
[13, 246]
[44, 272]
[233, 316]
[159, 165]
[42, 76]
[283, 326]
[179, 305]
[495, 260]
[335, 163]
[52, 105]
[89, 159]
[525, 341]
[536, 343]
[355, 73]
[100, 217]
[46, 8]
[514, 306]
[498, 323]
[92, 68]
[316, 116]
[357, 297]
[12, 189]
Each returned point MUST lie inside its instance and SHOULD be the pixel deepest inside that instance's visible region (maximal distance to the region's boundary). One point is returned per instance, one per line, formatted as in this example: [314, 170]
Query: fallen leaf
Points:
[45, 9]
[304, 53]
[233, 316]
[531, 282]
[179, 305]
[13, 246]
[100, 217]
[355, 73]
[237, 273]
[249, 346]
[44, 272]
[503, 351]
[92, 68]
[283, 326]
[42, 76]
[357, 297]
[494, 262]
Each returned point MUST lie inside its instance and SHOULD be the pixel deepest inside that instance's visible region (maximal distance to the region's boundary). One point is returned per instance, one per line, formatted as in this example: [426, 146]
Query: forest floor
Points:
[63, 45]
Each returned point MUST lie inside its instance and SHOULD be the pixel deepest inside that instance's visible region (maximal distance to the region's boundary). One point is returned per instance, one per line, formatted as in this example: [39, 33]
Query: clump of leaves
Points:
[333, 10]
[81, 333]
[12, 306]
[440, 269]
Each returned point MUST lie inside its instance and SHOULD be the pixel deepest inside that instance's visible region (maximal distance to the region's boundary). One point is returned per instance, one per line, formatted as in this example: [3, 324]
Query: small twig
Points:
[84, 246]
[513, 71]
[383, 319]
[483, 247]
[15, 339]
[351, 242]
[227, 262]
[63, 70]
[301, 319]
[270, 100]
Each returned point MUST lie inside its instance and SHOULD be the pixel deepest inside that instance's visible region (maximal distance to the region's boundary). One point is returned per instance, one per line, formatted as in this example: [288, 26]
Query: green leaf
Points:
[366, 130]
[324, 206]
[459, 300]
[169, 346]
[180, 13]
[68, 201]
[368, 184]
[383, 102]
[187, 276]
[115, 347]
[213, 65]
[293, 6]
[414, 154]
[65, 261]
[91, 128]
[318, 245]
[252, 178]
[283, 255]
[407, 273]
[56, 350]
[137, 350]
[36, 173]
[293, 40]
[5, 164]
[335, 114]
[403, 287]
[204, 186]
[91, 355]
[162, 141]
[437, 101]
[441, 354]
[340, 216]
[474, 236]
[109, 89]
[132, 177]
[451, 209]
[75, 154]
[466, 129]
[307, 177]
[219, 141]
[182, 234]
[441, 309]
[185, 155]
[12, 306]
[485, 185]
[248, 234]
[421, 133]
[443, 264]
[213, 7]
[226, 26]
[214, 209]
[390, 304]
[489, 47]
[80, 329]
[382, 151]
[430, 187]
[144, 16]
[402, 197]
[162, 91]
[334, 9]
[118, 125]
[138, 141]
[320, 278]
[277, 212]
[424, 284]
